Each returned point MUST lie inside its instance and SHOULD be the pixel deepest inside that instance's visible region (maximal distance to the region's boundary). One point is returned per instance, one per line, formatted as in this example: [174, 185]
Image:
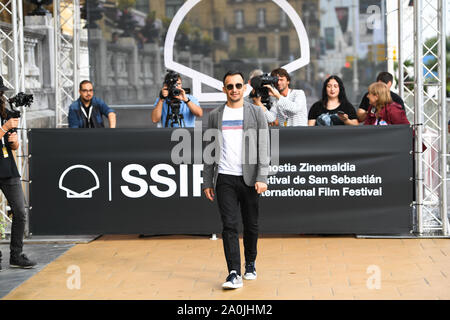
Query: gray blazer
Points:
[255, 146]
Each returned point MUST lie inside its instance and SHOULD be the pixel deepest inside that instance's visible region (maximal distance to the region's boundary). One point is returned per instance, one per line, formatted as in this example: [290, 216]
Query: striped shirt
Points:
[290, 110]
[232, 133]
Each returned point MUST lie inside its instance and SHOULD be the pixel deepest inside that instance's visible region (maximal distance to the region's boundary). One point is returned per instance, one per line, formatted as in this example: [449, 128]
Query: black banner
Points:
[329, 180]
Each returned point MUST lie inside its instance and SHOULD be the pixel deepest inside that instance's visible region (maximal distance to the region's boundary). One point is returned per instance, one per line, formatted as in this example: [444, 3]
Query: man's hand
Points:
[164, 91]
[209, 193]
[273, 91]
[182, 95]
[260, 187]
[13, 139]
[112, 119]
[11, 123]
[276, 123]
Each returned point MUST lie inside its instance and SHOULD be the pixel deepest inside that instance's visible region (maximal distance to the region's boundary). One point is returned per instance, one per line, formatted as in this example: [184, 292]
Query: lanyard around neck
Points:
[88, 116]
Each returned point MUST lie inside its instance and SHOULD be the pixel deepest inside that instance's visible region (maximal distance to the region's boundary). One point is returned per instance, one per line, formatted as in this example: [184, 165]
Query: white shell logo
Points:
[79, 195]
[198, 78]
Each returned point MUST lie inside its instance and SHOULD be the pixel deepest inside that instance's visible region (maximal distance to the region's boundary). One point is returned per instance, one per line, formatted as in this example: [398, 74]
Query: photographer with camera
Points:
[261, 95]
[87, 111]
[175, 107]
[288, 105]
[10, 183]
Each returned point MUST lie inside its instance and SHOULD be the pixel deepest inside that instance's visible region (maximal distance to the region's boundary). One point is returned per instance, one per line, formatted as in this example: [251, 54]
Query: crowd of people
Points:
[287, 107]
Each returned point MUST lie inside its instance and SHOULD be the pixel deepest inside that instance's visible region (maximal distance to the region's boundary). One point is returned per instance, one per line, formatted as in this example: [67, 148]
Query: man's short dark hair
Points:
[170, 74]
[232, 73]
[385, 77]
[281, 73]
[84, 82]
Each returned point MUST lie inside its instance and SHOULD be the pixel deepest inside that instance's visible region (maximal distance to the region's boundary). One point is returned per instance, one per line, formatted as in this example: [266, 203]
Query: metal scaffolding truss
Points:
[67, 55]
[13, 71]
[423, 87]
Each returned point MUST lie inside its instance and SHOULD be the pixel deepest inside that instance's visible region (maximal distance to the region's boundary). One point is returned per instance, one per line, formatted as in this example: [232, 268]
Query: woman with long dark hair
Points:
[334, 108]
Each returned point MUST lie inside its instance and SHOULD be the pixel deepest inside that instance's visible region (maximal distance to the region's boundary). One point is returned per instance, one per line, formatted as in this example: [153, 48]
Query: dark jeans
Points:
[232, 193]
[12, 189]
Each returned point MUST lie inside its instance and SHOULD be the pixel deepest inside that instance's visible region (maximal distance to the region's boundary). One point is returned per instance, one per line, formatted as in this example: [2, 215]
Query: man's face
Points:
[282, 83]
[179, 83]
[87, 92]
[234, 88]
[389, 84]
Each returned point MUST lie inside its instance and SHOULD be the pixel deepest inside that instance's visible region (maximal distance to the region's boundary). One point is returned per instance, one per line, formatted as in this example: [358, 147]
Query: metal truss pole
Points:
[12, 39]
[442, 54]
[418, 111]
[22, 152]
[401, 69]
[430, 116]
[427, 103]
[66, 15]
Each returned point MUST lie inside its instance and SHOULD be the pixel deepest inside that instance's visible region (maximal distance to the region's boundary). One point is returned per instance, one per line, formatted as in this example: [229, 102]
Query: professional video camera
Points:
[19, 100]
[258, 83]
[173, 103]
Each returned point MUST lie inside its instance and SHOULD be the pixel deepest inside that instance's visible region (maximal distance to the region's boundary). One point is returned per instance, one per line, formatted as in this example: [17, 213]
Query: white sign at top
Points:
[198, 78]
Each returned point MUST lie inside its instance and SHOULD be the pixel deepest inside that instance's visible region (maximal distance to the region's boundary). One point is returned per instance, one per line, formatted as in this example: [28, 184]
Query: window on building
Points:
[284, 46]
[283, 18]
[240, 42]
[172, 7]
[261, 18]
[239, 19]
[143, 5]
[262, 45]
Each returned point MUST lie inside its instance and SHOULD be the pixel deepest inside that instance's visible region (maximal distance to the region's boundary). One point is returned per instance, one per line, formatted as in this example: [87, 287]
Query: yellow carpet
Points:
[289, 267]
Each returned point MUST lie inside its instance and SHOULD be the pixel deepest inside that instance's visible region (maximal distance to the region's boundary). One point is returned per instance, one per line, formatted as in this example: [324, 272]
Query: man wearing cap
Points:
[87, 111]
[10, 184]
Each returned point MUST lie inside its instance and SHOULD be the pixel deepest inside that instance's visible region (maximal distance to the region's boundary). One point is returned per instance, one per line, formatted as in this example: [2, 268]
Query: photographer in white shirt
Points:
[289, 105]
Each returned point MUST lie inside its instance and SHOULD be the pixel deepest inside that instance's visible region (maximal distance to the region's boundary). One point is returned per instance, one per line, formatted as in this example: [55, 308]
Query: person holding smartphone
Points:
[334, 108]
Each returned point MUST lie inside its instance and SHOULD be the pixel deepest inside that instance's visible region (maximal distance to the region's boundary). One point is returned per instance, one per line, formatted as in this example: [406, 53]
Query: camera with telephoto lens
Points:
[171, 82]
[174, 115]
[19, 100]
[259, 90]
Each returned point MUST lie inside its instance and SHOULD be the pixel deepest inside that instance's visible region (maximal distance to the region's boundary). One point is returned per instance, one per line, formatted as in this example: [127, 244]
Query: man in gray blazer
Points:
[238, 175]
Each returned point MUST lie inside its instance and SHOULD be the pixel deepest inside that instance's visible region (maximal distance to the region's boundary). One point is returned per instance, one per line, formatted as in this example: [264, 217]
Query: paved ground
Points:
[10, 278]
[289, 267]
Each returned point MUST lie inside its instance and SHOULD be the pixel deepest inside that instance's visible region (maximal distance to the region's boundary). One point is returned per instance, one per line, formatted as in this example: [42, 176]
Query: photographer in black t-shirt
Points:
[386, 78]
[10, 184]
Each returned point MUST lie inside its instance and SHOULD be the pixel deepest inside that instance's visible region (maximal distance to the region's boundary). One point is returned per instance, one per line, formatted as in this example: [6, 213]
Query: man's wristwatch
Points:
[187, 101]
